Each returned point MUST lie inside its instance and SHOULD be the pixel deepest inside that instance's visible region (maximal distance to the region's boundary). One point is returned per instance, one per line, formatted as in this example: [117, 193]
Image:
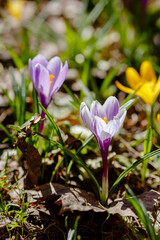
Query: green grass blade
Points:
[147, 149]
[35, 101]
[142, 214]
[148, 141]
[85, 143]
[17, 60]
[7, 132]
[108, 79]
[76, 159]
[56, 169]
[75, 101]
[135, 164]
[128, 104]
[53, 123]
[23, 98]
[83, 165]
[94, 14]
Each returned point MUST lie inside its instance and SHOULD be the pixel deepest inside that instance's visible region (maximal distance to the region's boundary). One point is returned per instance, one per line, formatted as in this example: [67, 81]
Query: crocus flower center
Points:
[105, 119]
[51, 78]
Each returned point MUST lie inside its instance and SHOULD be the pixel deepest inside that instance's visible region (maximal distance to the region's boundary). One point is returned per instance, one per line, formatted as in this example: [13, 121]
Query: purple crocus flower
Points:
[104, 122]
[47, 78]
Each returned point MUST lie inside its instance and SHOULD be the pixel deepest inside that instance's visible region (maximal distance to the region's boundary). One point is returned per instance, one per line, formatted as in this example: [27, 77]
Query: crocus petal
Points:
[97, 109]
[99, 124]
[87, 117]
[36, 72]
[157, 89]
[147, 71]
[133, 78]
[39, 59]
[54, 66]
[60, 79]
[44, 80]
[111, 128]
[123, 88]
[146, 92]
[111, 107]
[121, 115]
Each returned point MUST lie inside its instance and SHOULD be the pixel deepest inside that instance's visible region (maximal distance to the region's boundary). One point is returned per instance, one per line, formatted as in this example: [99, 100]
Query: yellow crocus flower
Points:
[146, 83]
[15, 8]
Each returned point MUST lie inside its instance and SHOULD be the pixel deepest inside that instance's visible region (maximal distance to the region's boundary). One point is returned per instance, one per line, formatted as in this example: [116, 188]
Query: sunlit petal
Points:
[133, 78]
[147, 71]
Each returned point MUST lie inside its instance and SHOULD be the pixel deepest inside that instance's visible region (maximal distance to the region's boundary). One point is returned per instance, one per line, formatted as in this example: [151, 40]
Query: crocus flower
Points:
[146, 83]
[47, 78]
[15, 8]
[103, 121]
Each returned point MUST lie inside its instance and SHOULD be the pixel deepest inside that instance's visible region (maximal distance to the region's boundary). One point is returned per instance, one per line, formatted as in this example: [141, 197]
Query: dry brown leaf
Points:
[70, 199]
[75, 199]
[123, 207]
[30, 153]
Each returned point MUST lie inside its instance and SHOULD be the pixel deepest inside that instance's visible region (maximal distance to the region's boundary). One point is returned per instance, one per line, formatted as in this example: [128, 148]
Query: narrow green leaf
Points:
[128, 104]
[148, 141]
[14, 127]
[85, 143]
[53, 123]
[135, 164]
[147, 149]
[94, 14]
[75, 101]
[108, 79]
[142, 214]
[7, 132]
[18, 62]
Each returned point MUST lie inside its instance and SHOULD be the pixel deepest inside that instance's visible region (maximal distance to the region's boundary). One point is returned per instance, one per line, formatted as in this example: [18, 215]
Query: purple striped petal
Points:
[97, 109]
[43, 80]
[111, 128]
[121, 115]
[111, 107]
[57, 83]
[39, 59]
[54, 66]
[87, 117]
[99, 125]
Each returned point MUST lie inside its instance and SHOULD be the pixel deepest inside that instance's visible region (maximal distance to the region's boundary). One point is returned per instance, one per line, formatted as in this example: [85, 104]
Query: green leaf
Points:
[147, 149]
[53, 123]
[142, 214]
[135, 164]
[128, 104]
[7, 132]
[85, 143]
[75, 101]
[17, 60]
[108, 79]
[148, 141]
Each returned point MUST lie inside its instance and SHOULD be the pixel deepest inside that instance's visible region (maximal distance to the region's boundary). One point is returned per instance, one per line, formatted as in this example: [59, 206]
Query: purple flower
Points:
[47, 78]
[104, 122]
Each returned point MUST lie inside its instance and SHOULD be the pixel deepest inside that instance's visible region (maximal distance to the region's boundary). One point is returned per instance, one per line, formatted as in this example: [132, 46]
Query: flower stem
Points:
[42, 123]
[104, 188]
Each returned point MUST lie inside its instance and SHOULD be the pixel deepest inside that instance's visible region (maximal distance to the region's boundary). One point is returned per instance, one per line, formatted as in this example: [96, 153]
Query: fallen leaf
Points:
[123, 207]
[30, 153]
[70, 199]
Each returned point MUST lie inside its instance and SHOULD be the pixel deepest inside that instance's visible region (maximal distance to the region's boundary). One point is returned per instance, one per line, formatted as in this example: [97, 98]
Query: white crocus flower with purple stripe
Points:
[104, 122]
[47, 77]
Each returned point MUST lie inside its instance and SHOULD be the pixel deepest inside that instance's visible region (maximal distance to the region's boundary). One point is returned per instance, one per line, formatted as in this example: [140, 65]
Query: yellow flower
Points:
[15, 8]
[146, 83]
[158, 118]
